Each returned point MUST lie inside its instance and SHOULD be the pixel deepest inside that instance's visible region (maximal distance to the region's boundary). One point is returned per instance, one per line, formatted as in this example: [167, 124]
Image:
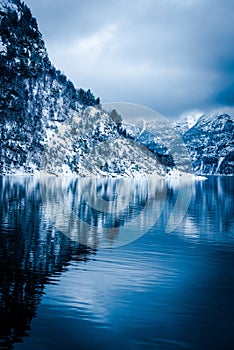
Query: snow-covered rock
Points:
[89, 143]
[211, 144]
[206, 143]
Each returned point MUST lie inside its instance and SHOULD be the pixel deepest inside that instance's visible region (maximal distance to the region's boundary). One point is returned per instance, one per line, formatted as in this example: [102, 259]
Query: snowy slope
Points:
[211, 144]
[186, 123]
[49, 125]
[206, 143]
[89, 143]
[163, 141]
[46, 123]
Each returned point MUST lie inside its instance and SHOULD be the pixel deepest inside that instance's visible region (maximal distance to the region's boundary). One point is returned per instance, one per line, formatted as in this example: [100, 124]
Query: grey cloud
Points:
[171, 55]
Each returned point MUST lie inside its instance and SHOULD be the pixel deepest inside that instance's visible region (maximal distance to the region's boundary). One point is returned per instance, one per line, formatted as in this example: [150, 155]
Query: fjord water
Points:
[60, 289]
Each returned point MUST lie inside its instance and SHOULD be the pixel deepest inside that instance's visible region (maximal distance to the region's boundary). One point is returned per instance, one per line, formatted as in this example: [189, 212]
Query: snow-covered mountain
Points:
[48, 125]
[186, 123]
[91, 143]
[211, 144]
[162, 140]
[209, 140]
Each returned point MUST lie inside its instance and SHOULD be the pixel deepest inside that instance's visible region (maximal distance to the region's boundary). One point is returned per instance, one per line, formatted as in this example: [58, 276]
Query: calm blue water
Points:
[60, 289]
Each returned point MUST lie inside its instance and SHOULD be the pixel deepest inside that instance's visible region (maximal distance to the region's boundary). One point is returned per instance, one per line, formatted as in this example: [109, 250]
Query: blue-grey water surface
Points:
[60, 289]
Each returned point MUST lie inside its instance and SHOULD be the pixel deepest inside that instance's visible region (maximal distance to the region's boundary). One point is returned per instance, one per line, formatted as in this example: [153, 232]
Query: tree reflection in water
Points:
[32, 255]
[43, 223]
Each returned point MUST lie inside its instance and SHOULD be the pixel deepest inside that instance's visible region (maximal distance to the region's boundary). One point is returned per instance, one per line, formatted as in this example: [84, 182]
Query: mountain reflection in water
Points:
[52, 226]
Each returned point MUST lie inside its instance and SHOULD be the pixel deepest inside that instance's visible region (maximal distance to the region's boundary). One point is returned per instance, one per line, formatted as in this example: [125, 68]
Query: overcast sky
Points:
[174, 56]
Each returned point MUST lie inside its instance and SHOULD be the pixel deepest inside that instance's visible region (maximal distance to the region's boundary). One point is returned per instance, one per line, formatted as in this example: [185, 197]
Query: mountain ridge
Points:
[49, 125]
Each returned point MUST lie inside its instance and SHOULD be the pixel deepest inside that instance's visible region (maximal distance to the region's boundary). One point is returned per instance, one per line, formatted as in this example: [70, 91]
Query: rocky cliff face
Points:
[209, 140]
[211, 145]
